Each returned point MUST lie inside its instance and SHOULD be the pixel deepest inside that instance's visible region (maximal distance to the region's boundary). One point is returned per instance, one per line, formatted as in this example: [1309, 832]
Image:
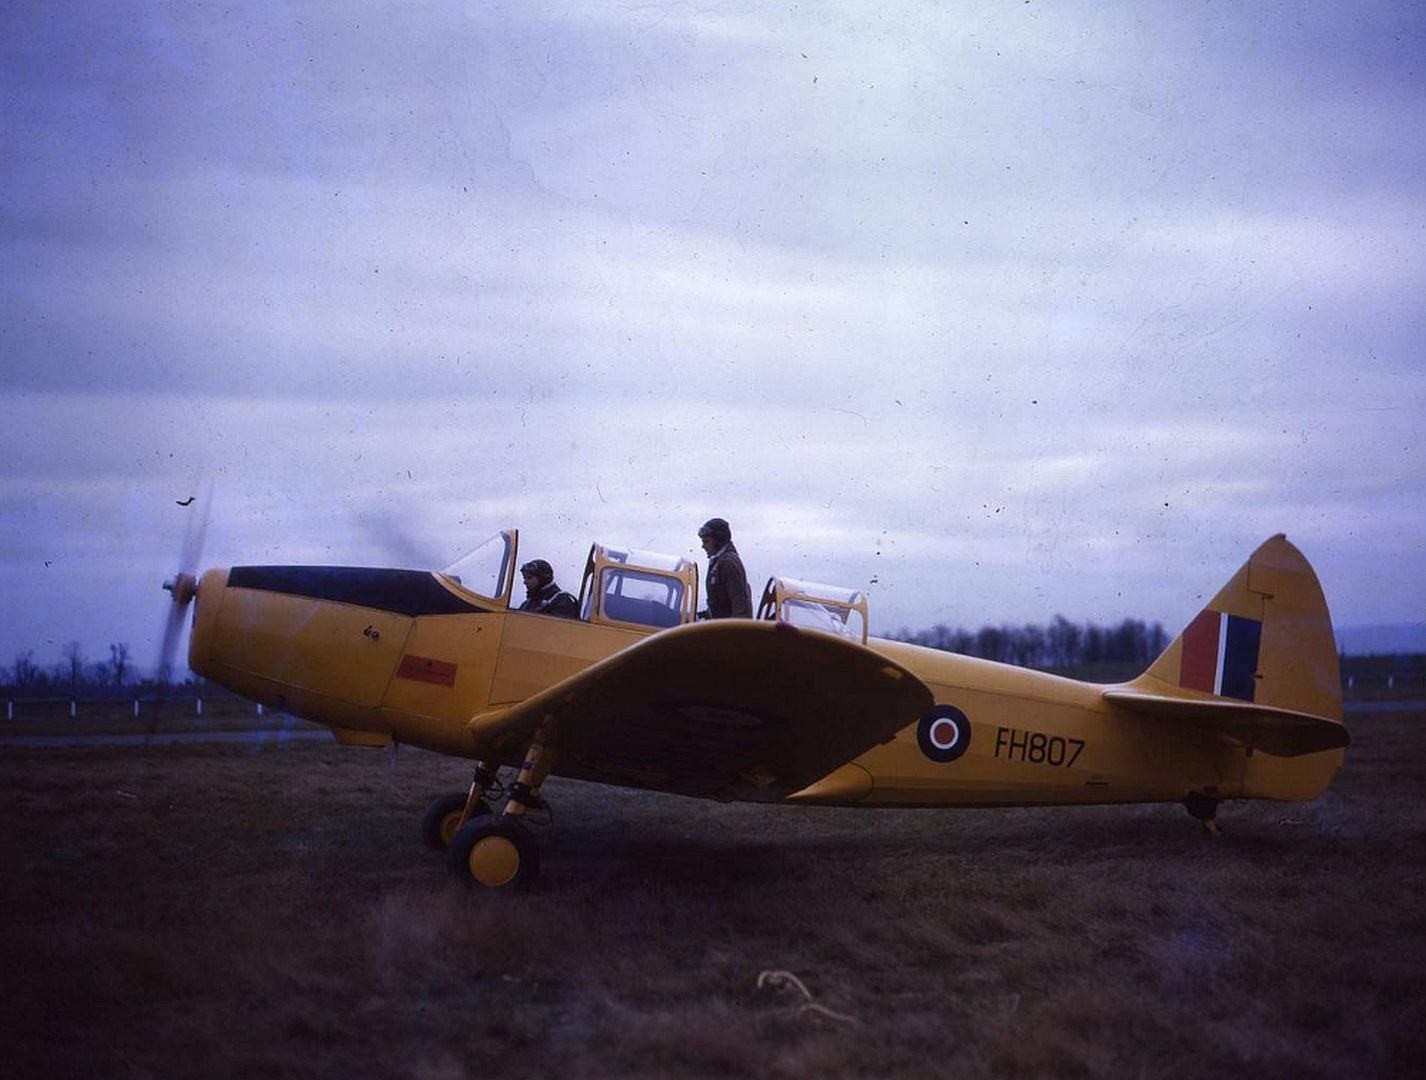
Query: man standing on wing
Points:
[727, 583]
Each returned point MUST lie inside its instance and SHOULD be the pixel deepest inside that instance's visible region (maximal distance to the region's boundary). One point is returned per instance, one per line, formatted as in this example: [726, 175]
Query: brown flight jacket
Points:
[727, 583]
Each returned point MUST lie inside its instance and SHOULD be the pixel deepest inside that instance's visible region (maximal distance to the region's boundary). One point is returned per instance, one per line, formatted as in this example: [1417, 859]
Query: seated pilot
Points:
[542, 595]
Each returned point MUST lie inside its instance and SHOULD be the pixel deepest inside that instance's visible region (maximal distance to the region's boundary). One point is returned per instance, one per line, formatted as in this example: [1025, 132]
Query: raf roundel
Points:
[943, 733]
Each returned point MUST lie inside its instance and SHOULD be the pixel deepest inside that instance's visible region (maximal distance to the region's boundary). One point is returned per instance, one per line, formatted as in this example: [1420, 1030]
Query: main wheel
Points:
[495, 852]
[443, 819]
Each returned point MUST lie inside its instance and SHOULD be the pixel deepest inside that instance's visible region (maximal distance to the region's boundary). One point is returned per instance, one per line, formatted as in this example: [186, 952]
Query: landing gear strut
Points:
[449, 812]
[501, 851]
[445, 816]
[1205, 809]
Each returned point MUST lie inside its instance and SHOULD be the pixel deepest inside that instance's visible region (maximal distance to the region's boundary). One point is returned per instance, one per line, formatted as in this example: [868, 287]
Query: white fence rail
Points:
[79, 707]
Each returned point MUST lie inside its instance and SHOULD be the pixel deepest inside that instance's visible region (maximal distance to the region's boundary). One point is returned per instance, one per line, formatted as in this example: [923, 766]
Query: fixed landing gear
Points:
[448, 813]
[1205, 809]
[497, 851]
[445, 817]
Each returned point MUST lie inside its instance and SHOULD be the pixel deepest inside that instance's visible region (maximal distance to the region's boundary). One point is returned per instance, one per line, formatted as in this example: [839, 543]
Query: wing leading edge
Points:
[726, 710]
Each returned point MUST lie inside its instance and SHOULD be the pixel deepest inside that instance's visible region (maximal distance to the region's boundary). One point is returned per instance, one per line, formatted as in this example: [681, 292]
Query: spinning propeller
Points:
[386, 531]
[183, 586]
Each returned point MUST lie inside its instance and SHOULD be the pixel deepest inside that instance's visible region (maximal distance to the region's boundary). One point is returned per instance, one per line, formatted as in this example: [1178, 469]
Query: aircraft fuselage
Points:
[383, 656]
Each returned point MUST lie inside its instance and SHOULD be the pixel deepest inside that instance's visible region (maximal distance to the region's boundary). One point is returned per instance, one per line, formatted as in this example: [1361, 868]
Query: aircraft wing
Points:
[729, 710]
[1280, 732]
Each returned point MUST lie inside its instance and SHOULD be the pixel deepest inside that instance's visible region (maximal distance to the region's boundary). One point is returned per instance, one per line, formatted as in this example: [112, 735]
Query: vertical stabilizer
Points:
[1266, 638]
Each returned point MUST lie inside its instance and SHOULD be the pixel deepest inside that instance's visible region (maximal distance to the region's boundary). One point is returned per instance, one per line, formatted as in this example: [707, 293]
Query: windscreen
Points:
[483, 570]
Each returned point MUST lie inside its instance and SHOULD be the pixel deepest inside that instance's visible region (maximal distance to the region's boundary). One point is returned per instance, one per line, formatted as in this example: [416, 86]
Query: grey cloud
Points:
[962, 314]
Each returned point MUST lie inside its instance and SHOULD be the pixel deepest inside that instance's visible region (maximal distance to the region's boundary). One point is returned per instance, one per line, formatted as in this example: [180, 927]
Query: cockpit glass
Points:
[831, 608]
[483, 570]
[651, 559]
[647, 599]
[831, 617]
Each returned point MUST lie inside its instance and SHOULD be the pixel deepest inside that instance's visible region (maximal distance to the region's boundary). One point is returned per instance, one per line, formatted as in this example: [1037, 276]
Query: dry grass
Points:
[223, 912]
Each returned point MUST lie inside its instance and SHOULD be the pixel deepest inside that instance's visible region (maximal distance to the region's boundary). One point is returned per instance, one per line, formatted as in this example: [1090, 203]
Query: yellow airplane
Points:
[796, 705]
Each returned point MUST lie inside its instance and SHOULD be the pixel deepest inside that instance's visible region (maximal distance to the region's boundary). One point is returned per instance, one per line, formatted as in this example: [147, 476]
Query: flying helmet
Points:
[543, 572]
[717, 528]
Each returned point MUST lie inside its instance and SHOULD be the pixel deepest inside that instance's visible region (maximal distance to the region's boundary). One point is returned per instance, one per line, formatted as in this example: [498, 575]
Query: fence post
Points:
[259, 708]
[199, 703]
[136, 708]
[9, 710]
[73, 708]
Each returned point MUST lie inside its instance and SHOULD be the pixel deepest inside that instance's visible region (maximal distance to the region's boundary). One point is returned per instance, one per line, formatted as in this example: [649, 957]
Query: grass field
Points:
[228, 912]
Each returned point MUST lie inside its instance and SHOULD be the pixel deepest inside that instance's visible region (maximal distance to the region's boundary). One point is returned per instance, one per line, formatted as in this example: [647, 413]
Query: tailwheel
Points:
[495, 852]
[444, 818]
[1205, 809]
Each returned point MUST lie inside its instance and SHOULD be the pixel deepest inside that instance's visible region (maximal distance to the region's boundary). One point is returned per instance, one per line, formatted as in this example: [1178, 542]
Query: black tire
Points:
[439, 824]
[496, 852]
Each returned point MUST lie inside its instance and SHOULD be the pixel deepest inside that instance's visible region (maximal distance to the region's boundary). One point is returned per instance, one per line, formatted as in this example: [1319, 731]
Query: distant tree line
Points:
[76, 674]
[1061, 644]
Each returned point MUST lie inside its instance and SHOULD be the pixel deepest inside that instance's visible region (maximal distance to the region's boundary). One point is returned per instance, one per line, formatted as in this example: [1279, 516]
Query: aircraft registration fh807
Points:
[797, 705]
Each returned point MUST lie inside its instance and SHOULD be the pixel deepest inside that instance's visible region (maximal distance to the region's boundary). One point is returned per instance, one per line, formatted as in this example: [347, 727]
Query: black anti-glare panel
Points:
[404, 592]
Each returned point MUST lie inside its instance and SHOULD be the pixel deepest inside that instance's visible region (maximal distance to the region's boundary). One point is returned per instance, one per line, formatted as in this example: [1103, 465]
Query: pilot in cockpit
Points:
[542, 595]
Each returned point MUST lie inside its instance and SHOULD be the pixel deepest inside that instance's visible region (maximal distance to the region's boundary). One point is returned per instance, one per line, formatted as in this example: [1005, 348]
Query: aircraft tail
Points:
[1259, 665]
[1266, 638]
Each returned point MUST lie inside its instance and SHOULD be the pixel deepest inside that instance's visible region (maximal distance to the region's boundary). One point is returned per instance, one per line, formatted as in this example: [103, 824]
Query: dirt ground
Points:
[232, 911]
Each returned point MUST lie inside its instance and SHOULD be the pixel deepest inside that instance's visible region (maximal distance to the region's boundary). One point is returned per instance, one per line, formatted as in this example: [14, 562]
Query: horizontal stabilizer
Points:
[1276, 731]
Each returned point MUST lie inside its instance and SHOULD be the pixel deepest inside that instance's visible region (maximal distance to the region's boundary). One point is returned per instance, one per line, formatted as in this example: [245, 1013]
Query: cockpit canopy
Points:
[629, 587]
[810, 604]
[649, 591]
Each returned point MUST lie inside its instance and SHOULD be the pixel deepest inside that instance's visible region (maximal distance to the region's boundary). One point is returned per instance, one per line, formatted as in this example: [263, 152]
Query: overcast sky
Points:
[998, 310]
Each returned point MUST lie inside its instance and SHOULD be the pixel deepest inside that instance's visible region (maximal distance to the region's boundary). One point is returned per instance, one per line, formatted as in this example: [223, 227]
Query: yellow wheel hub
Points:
[494, 861]
[449, 824]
